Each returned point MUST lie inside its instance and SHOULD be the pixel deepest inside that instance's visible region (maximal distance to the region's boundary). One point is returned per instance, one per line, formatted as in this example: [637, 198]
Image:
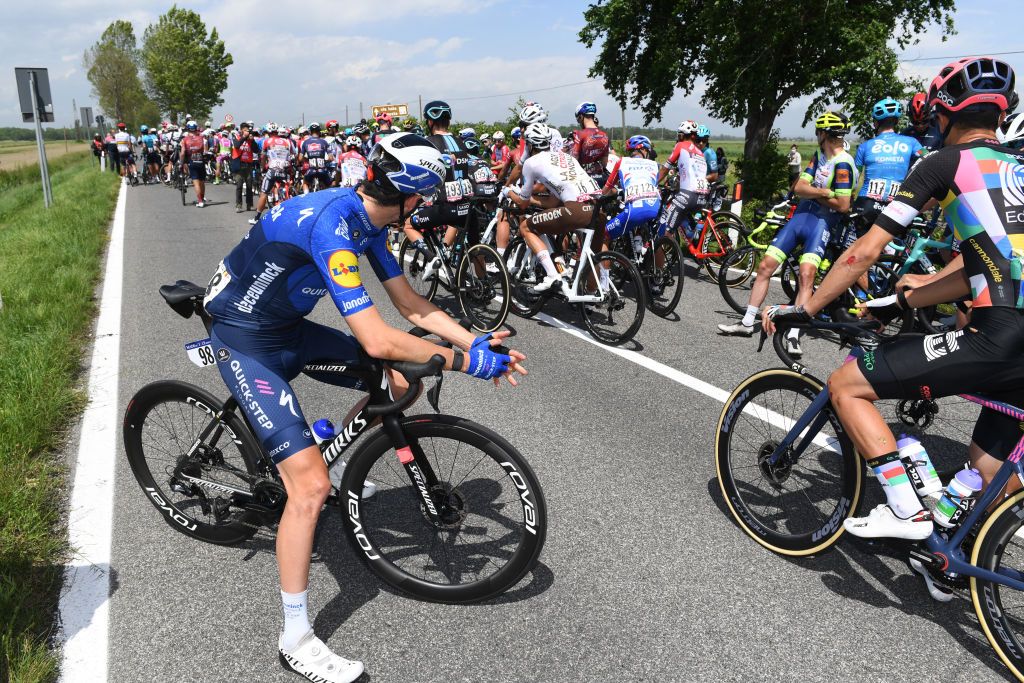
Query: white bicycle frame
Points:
[586, 255]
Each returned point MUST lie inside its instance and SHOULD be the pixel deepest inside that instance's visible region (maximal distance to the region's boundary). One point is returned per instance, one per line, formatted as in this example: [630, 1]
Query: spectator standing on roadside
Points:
[794, 164]
[244, 153]
[723, 163]
[98, 148]
[113, 158]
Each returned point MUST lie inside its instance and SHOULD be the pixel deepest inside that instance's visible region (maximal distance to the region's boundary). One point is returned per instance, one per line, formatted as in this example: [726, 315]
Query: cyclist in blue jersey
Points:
[883, 161]
[301, 250]
[637, 177]
[149, 145]
[710, 158]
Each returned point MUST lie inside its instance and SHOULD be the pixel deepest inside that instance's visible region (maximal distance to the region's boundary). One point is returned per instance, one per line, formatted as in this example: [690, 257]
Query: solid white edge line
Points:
[770, 416]
[84, 602]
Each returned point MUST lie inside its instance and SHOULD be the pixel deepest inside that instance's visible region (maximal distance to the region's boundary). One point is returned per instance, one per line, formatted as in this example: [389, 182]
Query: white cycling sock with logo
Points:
[501, 251]
[296, 620]
[750, 316]
[899, 490]
[549, 266]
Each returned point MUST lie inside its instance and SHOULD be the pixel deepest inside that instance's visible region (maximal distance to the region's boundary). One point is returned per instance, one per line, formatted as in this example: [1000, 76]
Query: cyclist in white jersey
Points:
[123, 140]
[693, 180]
[569, 206]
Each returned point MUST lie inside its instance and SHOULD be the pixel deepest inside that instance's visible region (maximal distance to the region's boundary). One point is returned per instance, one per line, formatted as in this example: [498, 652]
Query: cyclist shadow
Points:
[854, 569]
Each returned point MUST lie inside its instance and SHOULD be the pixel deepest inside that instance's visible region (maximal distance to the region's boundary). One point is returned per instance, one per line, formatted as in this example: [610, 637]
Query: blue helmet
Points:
[406, 164]
[516, 133]
[639, 141]
[144, 128]
[886, 109]
[191, 125]
[703, 132]
[586, 109]
[467, 133]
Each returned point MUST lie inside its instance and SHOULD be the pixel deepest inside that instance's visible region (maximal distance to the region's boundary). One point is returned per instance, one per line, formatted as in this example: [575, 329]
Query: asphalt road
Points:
[644, 576]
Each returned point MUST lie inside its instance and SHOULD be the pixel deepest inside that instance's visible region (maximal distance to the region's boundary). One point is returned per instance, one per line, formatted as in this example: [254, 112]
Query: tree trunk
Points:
[759, 126]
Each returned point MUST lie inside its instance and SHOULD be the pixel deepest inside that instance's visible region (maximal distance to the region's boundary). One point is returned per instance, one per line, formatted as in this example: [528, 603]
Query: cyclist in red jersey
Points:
[500, 152]
[590, 144]
[193, 147]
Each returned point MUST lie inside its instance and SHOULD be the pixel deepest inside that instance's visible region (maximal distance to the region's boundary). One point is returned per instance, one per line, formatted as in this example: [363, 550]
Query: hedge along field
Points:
[49, 266]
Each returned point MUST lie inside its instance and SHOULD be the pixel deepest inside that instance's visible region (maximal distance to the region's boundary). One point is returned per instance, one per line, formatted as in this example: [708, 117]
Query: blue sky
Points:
[334, 53]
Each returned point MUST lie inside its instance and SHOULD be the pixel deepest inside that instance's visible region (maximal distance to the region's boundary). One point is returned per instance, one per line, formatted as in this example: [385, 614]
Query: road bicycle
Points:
[918, 252]
[736, 270]
[716, 234]
[790, 475]
[458, 515]
[659, 260]
[612, 305]
[472, 271]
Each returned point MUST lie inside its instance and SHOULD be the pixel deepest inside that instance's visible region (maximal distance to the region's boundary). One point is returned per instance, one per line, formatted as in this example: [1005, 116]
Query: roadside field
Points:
[49, 264]
[16, 153]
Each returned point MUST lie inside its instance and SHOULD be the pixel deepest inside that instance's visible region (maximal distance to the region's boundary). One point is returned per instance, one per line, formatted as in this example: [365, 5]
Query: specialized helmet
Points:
[834, 123]
[586, 109]
[532, 113]
[437, 110]
[353, 141]
[314, 127]
[917, 108]
[359, 128]
[887, 108]
[1011, 132]
[499, 135]
[972, 82]
[190, 126]
[144, 128]
[516, 133]
[538, 135]
[687, 127]
[120, 125]
[638, 142]
[703, 132]
[467, 133]
[405, 164]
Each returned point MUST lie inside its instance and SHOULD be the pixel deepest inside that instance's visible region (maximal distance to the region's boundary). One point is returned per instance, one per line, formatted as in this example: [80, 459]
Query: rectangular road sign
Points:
[393, 109]
[45, 101]
[86, 117]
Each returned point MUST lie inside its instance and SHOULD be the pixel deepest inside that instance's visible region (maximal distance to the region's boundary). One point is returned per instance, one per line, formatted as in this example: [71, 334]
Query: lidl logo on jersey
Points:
[344, 268]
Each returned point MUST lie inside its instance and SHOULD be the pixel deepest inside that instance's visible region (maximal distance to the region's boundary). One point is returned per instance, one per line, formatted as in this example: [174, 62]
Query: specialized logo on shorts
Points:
[938, 345]
[344, 268]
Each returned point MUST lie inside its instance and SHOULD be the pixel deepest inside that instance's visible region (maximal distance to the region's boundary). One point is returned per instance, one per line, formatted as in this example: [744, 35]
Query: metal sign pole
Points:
[44, 172]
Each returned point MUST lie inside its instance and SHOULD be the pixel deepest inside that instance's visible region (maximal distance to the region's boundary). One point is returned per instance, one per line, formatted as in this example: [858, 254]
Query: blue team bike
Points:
[790, 475]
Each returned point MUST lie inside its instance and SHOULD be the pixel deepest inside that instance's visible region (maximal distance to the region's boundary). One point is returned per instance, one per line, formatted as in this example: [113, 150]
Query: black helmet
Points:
[437, 110]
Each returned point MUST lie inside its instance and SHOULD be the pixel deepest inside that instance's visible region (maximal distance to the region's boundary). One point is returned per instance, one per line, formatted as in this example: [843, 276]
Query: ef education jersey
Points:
[300, 251]
[884, 161]
[980, 186]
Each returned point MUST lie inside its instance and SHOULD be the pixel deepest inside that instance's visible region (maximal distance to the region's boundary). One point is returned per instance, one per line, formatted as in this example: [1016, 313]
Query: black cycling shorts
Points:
[197, 170]
[986, 358]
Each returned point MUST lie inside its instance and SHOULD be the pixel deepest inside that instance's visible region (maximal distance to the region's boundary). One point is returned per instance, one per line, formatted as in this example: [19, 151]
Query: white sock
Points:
[750, 316]
[501, 251]
[549, 266]
[296, 621]
[603, 276]
[899, 491]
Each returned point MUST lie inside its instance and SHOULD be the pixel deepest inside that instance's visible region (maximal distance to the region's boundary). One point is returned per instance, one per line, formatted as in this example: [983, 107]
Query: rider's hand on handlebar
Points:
[882, 310]
[784, 316]
[912, 281]
[488, 359]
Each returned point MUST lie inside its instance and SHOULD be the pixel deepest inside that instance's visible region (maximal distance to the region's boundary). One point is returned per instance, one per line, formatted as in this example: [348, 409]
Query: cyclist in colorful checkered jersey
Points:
[825, 187]
[302, 250]
[980, 185]
[883, 161]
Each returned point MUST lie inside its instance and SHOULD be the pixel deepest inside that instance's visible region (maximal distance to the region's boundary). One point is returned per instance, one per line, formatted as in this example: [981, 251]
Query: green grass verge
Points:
[49, 264]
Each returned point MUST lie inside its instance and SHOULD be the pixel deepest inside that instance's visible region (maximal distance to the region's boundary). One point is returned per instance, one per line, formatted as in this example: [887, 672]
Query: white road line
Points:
[84, 603]
[770, 416]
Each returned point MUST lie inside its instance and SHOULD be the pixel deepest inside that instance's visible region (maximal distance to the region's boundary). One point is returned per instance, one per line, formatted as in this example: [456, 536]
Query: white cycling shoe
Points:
[882, 522]
[549, 282]
[312, 659]
[737, 329]
[338, 471]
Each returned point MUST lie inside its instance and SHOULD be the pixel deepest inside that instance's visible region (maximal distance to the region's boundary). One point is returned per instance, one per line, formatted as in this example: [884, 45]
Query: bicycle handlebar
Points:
[859, 328]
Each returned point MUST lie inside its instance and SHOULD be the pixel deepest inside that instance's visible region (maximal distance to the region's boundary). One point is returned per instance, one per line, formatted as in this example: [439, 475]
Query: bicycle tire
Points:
[483, 298]
[183, 188]
[413, 262]
[724, 222]
[524, 271]
[626, 286]
[664, 284]
[789, 278]
[820, 533]
[147, 400]
[997, 533]
[736, 270]
[388, 550]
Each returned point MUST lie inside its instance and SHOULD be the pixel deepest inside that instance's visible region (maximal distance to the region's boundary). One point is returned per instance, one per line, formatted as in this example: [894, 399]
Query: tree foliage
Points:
[186, 68]
[111, 65]
[754, 57]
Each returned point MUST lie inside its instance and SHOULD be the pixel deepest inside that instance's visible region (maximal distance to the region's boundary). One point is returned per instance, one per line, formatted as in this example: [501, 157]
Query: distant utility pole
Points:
[360, 111]
[346, 114]
[623, 128]
[419, 112]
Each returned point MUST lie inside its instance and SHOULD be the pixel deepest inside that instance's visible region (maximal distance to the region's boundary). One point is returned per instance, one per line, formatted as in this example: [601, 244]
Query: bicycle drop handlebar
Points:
[860, 328]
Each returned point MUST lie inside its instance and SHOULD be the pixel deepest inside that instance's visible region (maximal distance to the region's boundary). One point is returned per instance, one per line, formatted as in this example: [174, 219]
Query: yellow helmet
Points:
[834, 123]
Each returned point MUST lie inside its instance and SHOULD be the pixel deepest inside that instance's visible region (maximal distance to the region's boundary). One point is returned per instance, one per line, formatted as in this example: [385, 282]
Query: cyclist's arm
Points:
[422, 313]
[846, 269]
[949, 284]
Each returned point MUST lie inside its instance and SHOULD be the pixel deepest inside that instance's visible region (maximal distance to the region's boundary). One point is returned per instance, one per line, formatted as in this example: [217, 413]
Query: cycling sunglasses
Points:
[437, 112]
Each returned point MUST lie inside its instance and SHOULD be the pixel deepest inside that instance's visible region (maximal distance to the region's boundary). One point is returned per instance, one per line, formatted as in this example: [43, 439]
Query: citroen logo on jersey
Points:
[304, 214]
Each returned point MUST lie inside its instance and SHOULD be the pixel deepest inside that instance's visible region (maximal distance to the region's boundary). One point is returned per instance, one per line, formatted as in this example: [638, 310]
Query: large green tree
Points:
[754, 57]
[186, 68]
[112, 67]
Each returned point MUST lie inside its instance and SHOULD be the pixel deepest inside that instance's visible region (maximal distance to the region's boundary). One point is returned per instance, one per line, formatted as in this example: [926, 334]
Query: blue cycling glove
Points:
[484, 362]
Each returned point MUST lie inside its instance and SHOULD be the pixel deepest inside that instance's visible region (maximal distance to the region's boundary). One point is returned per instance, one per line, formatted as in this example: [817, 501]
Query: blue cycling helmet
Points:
[144, 128]
[639, 141]
[886, 109]
[703, 132]
[191, 125]
[516, 133]
[405, 164]
[586, 109]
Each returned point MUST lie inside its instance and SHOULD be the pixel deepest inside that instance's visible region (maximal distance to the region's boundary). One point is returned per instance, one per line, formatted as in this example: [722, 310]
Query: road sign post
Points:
[86, 116]
[37, 106]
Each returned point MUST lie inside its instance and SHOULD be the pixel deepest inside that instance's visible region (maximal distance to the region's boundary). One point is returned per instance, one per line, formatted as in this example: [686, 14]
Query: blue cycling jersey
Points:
[149, 141]
[884, 161]
[712, 160]
[299, 251]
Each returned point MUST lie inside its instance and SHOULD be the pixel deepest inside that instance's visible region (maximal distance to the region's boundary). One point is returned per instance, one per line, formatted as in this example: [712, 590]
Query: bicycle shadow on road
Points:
[855, 570]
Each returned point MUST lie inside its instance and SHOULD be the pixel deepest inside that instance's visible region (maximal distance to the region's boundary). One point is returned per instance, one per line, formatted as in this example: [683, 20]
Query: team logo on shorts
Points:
[223, 355]
[344, 268]
[938, 345]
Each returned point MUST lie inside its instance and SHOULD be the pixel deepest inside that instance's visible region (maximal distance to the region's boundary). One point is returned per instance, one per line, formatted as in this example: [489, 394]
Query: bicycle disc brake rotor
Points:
[451, 507]
[917, 412]
[779, 471]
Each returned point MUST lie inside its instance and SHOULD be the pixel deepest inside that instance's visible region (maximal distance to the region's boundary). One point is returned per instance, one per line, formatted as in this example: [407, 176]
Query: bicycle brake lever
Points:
[764, 336]
[434, 394]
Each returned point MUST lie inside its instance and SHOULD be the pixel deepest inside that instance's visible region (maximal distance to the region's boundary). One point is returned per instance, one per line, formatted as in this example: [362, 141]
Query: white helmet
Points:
[484, 137]
[532, 113]
[271, 127]
[302, 130]
[353, 141]
[538, 136]
[1012, 130]
[687, 127]
[467, 133]
[407, 164]
[498, 135]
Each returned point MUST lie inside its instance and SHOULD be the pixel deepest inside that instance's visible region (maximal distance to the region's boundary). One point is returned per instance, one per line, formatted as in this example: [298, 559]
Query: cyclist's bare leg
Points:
[808, 271]
[765, 270]
[502, 232]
